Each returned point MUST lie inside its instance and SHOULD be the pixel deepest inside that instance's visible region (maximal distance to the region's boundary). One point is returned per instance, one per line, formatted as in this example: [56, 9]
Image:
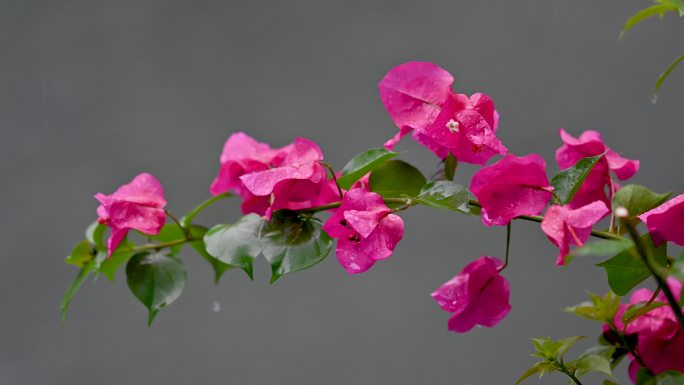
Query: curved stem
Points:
[173, 218]
[662, 283]
[508, 246]
[334, 177]
[186, 221]
[163, 245]
[570, 374]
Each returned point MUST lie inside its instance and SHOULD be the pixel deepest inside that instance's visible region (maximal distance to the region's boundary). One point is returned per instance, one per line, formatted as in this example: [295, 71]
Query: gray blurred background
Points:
[94, 92]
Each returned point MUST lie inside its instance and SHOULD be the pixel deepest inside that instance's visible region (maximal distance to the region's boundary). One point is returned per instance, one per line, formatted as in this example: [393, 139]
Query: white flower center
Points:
[452, 126]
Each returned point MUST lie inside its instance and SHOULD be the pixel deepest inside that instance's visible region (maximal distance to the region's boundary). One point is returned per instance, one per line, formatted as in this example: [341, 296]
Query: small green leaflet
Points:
[567, 182]
[444, 195]
[74, 286]
[362, 164]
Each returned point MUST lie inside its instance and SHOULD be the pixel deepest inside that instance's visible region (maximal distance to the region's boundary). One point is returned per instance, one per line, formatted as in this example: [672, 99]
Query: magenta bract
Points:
[511, 187]
[660, 336]
[365, 229]
[566, 226]
[419, 99]
[478, 295]
[666, 222]
[138, 205]
[594, 187]
[268, 179]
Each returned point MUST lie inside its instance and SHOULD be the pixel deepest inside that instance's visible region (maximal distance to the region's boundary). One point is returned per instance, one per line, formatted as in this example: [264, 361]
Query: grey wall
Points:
[93, 92]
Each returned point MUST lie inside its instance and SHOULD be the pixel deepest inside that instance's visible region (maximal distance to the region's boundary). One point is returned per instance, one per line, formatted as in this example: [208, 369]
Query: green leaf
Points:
[567, 182]
[540, 368]
[591, 363]
[395, 179]
[626, 269]
[156, 279]
[670, 377]
[679, 4]
[450, 165]
[609, 382]
[667, 72]
[646, 13]
[95, 235]
[237, 244]
[291, 243]
[362, 164]
[201, 249]
[565, 344]
[109, 267]
[81, 254]
[74, 286]
[645, 377]
[638, 199]
[444, 195]
[599, 308]
[602, 248]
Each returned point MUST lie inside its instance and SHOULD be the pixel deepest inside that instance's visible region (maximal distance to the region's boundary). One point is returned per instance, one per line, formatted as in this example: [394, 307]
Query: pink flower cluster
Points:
[138, 205]
[419, 99]
[660, 337]
[267, 179]
[421, 102]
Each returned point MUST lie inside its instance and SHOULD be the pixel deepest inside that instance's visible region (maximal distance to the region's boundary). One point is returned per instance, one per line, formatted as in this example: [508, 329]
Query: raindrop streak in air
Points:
[216, 306]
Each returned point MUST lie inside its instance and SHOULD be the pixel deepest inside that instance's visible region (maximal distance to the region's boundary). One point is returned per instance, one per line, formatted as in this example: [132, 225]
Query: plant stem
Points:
[570, 374]
[173, 218]
[539, 218]
[662, 283]
[186, 221]
[156, 246]
[334, 177]
[508, 246]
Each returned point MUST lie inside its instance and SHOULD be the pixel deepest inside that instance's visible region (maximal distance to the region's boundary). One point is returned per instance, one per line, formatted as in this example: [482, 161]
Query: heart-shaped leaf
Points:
[291, 243]
[238, 244]
[156, 279]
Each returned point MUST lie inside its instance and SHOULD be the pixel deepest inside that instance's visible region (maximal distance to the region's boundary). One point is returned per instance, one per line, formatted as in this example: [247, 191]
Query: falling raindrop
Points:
[654, 99]
[216, 306]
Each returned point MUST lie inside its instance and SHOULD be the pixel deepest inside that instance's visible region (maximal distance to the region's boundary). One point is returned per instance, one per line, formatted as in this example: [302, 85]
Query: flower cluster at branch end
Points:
[512, 187]
[566, 226]
[666, 222]
[365, 229]
[290, 177]
[138, 205]
[478, 295]
[594, 187]
[660, 337]
[419, 99]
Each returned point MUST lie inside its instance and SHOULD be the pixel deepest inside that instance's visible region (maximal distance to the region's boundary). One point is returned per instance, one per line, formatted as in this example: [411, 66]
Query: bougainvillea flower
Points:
[589, 144]
[478, 295]
[666, 222]
[365, 229]
[660, 337]
[466, 127]
[241, 155]
[566, 226]
[138, 205]
[295, 177]
[419, 99]
[511, 187]
[413, 93]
